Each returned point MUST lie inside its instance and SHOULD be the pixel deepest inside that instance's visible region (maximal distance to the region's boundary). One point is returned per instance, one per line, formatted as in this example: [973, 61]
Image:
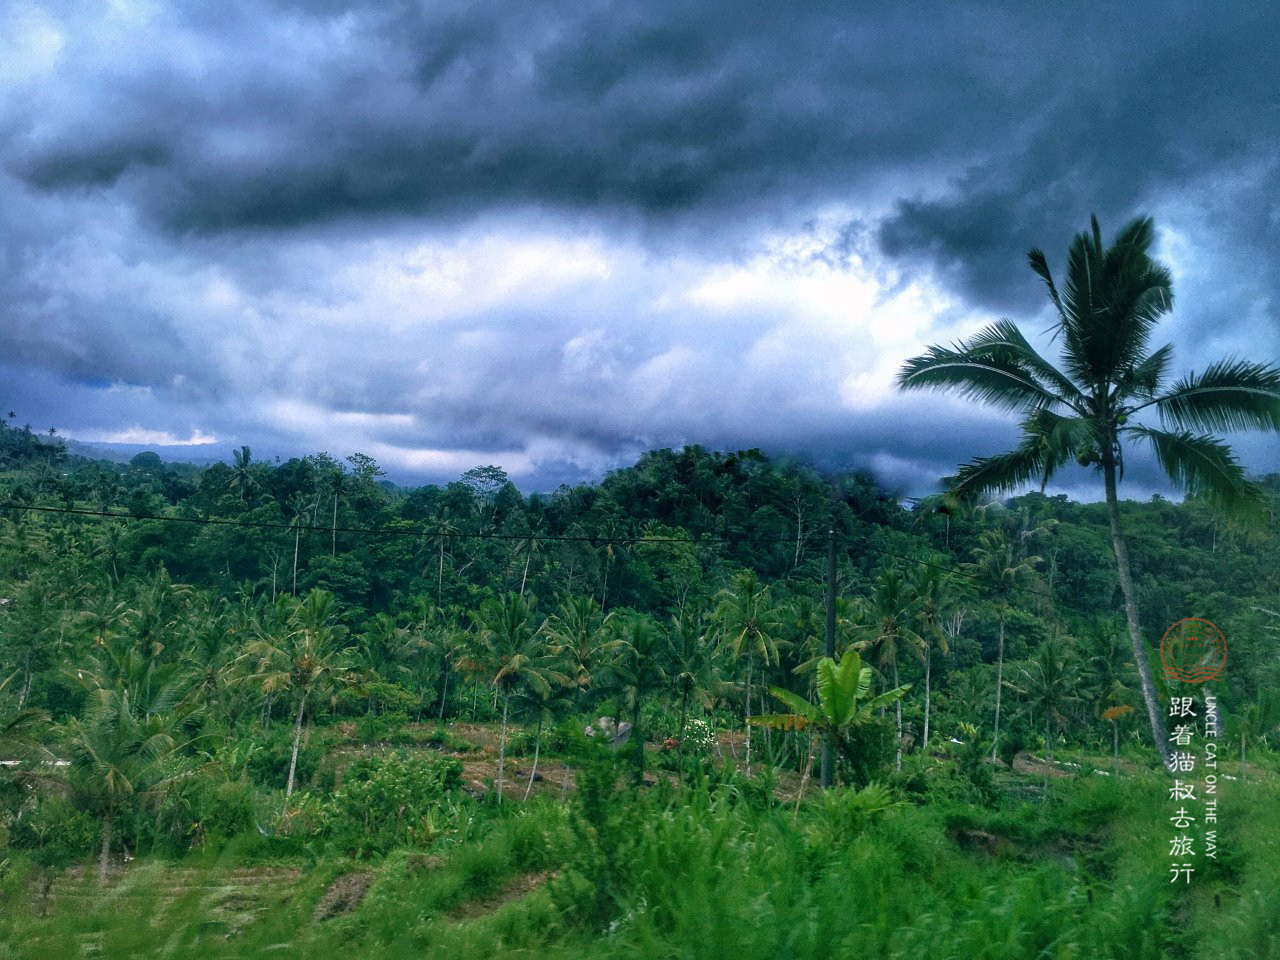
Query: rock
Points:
[616, 733]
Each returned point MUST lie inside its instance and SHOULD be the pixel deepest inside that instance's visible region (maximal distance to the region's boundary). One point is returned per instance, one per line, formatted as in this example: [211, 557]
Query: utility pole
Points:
[827, 768]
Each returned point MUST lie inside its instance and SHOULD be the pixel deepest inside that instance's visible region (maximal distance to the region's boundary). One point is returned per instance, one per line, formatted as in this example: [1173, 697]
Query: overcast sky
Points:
[550, 236]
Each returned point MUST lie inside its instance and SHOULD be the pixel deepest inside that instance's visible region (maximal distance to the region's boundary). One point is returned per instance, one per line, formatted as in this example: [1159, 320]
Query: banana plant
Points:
[843, 703]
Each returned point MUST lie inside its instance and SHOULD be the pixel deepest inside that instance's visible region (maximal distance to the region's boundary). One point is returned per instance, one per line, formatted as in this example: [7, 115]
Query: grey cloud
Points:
[1191, 105]
[180, 211]
[656, 109]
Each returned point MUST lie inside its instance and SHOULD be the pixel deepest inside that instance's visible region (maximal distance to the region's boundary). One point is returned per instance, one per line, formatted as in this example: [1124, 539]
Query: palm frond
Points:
[993, 476]
[1056, 440]
[1114, 298]
[1145, 378]
[1204, 467]
[1040, 264]
[996, 366]
[1231, 394]
[1004, 342]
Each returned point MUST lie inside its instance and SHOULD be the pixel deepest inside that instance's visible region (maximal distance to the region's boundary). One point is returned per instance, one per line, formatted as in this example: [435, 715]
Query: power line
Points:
[462, 535]
[388, 531]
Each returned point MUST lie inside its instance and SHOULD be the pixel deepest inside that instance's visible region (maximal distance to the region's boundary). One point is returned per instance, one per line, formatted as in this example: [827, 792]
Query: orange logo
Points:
[1193, 651]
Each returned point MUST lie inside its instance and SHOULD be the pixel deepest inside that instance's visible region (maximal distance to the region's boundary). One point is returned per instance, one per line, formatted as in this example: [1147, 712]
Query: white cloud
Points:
[142, 435]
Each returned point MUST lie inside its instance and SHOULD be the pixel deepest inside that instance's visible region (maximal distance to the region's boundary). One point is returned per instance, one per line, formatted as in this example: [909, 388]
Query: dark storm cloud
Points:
[1149, 108]
[509, 232]
[659, 108]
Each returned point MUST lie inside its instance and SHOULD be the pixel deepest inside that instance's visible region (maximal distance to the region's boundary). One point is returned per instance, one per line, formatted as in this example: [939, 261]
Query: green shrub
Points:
[699, 737]
[385, 728]
[1012, 742]
[55, 832]
[203, 808]
[267, 761]
[520, 743]
[872, 744]
[442, 736]
[843, 813]
[386, 800]
[604, 820]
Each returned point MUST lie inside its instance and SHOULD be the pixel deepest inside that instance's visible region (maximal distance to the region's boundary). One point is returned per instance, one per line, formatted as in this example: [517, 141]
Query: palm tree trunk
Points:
[525, 576]
[537, 747]
[898, 710]
[297, 536]
[804, 780]
[1048, 761]
[684, 712]
[747, 713]
[297, 739]
[502, 746]
[106, 849]
[995, 742]
[333, 550]
[444, 694]
[26, 680]
[928, 661]
[440, 576]
[638, 737]
[1121, 549]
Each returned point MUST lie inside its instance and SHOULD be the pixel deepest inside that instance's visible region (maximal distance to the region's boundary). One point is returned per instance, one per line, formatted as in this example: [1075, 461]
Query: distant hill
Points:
[202, 455]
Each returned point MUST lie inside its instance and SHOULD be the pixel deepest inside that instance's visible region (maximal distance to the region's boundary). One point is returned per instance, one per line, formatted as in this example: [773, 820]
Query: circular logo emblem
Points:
[1193, 651]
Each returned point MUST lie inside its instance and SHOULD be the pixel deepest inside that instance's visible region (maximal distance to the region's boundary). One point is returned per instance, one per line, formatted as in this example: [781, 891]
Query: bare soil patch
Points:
[516, 888]
[344, 895]
[1028, 765]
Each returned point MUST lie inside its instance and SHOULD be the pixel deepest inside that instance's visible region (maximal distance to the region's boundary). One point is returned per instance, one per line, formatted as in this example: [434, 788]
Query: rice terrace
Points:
[768, 513]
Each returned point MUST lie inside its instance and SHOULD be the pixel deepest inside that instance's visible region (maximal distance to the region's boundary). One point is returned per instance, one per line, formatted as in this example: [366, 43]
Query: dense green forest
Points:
[299, 664]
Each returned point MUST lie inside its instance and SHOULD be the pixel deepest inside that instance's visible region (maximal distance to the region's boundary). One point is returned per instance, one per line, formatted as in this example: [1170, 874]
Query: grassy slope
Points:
[1082, 875]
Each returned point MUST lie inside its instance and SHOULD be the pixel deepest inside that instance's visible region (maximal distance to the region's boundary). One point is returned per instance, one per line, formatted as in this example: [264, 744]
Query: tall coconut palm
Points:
[636, 670]
[1087, 410]
[117, 753]
[887, 619]
[543, 702]
[305, 660]
[442, 532]
[441, 640]
[509, 653]
[22, 733]
[243, 480]
[750, 625]
[692, 666]
[578, 632]
[1106, 673]
[931, 594]
[1047, 686]
[530, 545]
[1000, 567]
[296, 510]
[122, 746]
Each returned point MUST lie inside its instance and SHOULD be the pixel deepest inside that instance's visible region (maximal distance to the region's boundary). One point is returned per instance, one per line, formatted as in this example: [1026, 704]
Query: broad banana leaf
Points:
[841, 687]
[796, 702]
[779, 721]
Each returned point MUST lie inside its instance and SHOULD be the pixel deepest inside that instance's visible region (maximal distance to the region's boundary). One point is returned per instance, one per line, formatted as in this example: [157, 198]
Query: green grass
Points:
[1083, 874]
